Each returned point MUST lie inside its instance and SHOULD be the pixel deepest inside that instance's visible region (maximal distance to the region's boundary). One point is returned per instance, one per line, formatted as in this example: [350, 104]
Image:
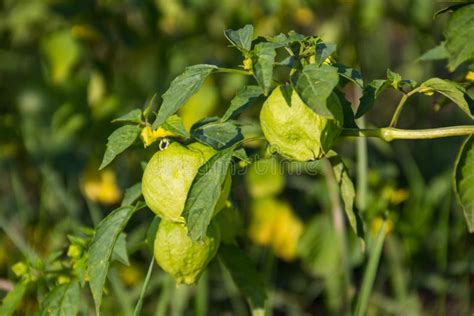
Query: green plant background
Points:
[67, 68]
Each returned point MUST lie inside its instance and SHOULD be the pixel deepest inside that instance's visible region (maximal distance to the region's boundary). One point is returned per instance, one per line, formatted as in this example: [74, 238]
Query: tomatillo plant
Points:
[304, 113]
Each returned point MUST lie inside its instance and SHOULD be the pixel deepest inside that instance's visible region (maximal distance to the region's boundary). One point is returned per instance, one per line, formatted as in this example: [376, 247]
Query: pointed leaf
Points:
[134, 116]
[350, 74]
[101, 248]
[263, 59]
[464, 180]
[371, 92]
[346, 188]
[241, 38]
[244, 98]
[436, 53]
[132, 194]
[458, 33]
[314, 85]
[451, 90]
[204, 193]
[217, 134]
[323, 51]
[13, 299]
[122, 138]
[63, 300]
[181, 89]
[120, 250]
[245, 276]
[175, 124]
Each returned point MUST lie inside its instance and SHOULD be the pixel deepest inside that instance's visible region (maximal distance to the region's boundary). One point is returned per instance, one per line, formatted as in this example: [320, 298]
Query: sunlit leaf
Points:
[134, 116]
[458, 33]
[13, 299]
[63, 300]
[181, 89]
[323, 51]
[451, 90]
[204, 193]
[241, 38]
[314, 85]
[122, 138]
[263, 59]
[242, 100]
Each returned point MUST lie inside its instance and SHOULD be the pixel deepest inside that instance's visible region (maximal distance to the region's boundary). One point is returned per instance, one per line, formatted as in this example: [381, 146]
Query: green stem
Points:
[362, 170]
[400, 105]
[233, 71]
[389, 133]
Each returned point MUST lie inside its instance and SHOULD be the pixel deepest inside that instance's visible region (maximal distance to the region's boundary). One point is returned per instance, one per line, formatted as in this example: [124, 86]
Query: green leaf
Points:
[346, 188]
[323, 51]
[122, 138]
[350, 74]
[245, 276]
[244, 98]
[217, 134]
[101, 249]
[393, 78]
[132, 194]
[13, 299]
[314, 85]
[134, 116]
[204, 193]
[464, 180]
[63, 300]
[450, 8]
[458, 33]
[451, 90]
[263, 59]
[175, 124]
[151, 233]
[241, 38]
[371, 92]
[436, 53]
[181, 89]
[120, 250]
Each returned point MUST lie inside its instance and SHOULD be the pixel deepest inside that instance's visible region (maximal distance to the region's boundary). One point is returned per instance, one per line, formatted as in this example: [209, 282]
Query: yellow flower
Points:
[20, 269]
[426, 91]
[274, 224]
[130, 275]
[395, 196]
[74, 251]
[470, 76]
[149, 136]
[64, 279]
[376, 225]
[101, 187]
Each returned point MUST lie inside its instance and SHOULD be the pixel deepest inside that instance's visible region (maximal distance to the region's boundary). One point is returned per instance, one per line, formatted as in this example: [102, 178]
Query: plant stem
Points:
[389, 133]
[234, 71]
[362, 170]
[400, 105]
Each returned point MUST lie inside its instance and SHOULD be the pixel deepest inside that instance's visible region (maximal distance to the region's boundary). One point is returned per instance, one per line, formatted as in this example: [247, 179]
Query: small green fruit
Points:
[169, 175]
[294, 130]
[178, 255]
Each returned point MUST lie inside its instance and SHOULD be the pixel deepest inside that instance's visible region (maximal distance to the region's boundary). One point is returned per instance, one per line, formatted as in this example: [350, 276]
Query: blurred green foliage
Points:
[67, 68]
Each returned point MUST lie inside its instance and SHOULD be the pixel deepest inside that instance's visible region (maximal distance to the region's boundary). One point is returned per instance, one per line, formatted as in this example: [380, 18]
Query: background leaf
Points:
[132, 194]
[243, 99]
[453, 91]
[63, 300]
[458, 35]
[120, 253]
[436, 53]
[181, 89]
[314, 85]
[241, 38]
[134, 116]
[204, 193]
[101, 248]
[464, 180]
[263, 59]
[347, 190]
[13, 299]
[122, 138]
[245, 276]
